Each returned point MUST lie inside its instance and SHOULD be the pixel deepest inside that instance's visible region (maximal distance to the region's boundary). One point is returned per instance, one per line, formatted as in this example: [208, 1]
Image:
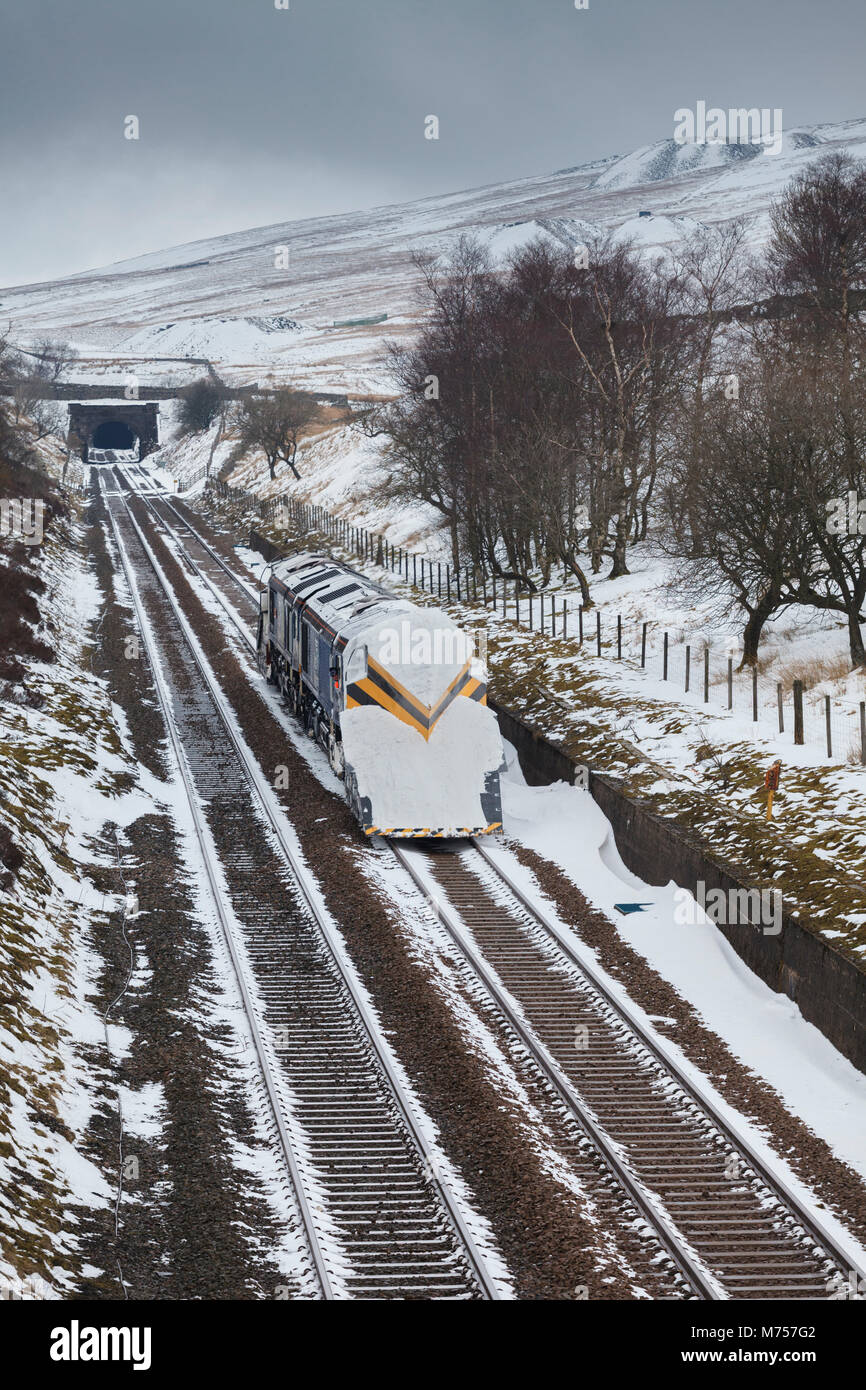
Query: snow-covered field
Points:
[263, 303]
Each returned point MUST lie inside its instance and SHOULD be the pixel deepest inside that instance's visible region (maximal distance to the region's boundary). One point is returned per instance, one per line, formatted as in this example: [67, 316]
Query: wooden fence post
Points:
[798, 712]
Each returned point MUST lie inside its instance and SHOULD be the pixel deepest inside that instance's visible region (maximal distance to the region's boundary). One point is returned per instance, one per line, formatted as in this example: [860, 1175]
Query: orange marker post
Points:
[771, 782]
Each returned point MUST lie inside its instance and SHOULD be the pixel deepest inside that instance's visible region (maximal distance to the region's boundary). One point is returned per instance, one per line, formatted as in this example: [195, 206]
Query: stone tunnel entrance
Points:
[115, 425]
[113, 434]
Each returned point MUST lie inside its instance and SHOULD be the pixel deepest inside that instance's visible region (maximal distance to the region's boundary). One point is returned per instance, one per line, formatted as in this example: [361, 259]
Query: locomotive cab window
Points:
[356, 669]
[272, 610]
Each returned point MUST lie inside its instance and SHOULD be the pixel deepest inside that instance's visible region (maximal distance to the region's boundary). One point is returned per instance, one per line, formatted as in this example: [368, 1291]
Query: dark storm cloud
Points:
[250, 114]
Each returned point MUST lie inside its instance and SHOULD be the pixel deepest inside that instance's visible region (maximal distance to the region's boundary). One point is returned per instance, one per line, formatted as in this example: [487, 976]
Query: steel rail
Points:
[267, 1072]
[704, 1102]
[688, 1265]
[307, 888]
[152, 497]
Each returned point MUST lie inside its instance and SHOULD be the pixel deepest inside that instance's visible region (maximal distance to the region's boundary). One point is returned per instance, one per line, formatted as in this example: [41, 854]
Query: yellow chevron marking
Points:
[395, 684]
[392, 707]
[429, 714]
[435, 711]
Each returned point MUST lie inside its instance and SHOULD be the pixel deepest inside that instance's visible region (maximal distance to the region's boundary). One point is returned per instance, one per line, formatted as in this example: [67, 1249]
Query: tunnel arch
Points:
[93, 425]
[113, 434]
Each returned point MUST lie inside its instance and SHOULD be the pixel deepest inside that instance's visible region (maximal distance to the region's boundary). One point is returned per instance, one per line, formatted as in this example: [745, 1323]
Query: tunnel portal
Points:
[113, 434]
[113, 425]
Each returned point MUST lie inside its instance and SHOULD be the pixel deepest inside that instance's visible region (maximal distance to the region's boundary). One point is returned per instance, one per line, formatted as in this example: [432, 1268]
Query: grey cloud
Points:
[252, 115]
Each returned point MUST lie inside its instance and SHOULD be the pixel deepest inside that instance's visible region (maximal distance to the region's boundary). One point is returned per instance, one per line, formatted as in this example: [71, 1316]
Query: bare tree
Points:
[274, 423]
[52, 359]
[817, 252]
[714, 273]
[750, 543]
[200, 404]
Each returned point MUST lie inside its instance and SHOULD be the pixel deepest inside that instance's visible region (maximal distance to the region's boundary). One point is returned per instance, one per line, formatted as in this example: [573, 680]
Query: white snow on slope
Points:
[200, 299]
[765, 1030]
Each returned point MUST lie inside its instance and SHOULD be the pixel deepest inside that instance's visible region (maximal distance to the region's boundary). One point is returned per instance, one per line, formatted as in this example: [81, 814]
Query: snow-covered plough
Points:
[395, 694]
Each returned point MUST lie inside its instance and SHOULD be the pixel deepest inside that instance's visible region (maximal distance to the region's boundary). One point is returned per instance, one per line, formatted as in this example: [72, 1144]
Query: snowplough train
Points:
[395, 694]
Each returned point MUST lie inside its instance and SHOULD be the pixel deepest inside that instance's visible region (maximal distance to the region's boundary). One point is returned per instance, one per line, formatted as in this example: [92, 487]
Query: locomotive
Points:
[394, 693]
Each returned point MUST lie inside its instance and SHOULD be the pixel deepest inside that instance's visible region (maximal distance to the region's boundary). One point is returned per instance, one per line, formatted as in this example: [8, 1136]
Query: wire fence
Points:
[76, 478]
[704, 675]
[196, 477]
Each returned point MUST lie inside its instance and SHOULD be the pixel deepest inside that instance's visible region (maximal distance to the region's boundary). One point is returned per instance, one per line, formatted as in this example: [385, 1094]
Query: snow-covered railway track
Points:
[380, 1220]
[732, 1226]
[208, 555]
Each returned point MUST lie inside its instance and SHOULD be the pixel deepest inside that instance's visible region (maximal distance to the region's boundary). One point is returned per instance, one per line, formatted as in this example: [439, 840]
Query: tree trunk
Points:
[755, 626]
[620, 548]
[571, 564]
[855, 638]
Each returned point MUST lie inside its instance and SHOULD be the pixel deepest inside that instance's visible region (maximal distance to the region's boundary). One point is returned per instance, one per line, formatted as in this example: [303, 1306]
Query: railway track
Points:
[730, 1225]
[379, 1218]
[208, 557]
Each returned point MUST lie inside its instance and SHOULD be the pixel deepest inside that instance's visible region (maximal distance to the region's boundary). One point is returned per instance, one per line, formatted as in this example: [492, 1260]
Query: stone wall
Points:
[142, 417]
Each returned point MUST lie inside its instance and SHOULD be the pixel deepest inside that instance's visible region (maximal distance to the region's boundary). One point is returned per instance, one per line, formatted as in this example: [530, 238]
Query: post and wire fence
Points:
[706, 675]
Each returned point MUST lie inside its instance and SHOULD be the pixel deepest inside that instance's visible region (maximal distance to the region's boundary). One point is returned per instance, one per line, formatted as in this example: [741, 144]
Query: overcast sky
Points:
[251, 115]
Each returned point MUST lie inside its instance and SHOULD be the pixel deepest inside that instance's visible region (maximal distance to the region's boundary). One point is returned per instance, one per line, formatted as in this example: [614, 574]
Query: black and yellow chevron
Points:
[380, 688]
[434, 834]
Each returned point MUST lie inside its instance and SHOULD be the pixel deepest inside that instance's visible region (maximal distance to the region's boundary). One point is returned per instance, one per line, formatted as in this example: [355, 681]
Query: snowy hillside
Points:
[231, 299]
